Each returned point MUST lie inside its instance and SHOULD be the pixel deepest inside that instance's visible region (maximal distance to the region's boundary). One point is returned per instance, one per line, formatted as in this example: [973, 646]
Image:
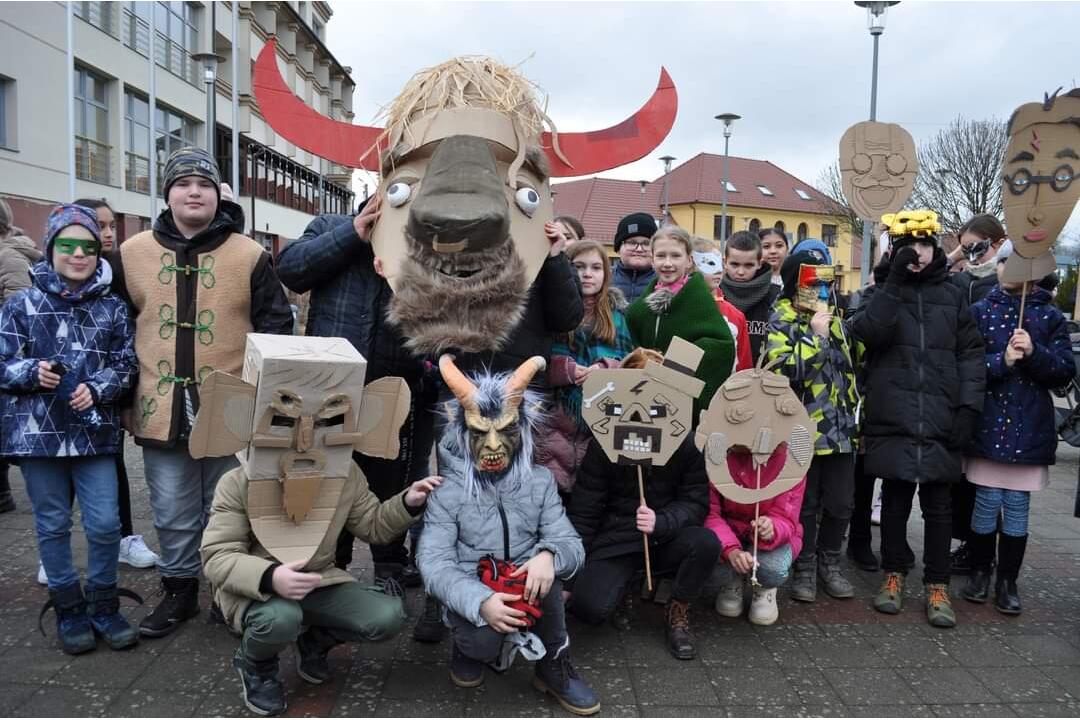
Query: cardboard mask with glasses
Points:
[877, 167]
[293, 421]
[640, 417]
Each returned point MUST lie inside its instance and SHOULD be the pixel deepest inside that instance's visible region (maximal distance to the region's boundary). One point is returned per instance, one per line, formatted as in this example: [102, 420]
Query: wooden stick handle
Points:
[757, 516]
[644, 537]
[1023, 299]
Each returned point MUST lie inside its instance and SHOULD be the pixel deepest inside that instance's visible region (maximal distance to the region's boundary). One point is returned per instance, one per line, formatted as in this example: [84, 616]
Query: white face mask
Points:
[709, 263]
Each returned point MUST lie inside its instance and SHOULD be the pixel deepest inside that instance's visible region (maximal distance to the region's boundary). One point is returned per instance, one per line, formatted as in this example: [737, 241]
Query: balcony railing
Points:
[101, 15]
[171, 55]
[136, 173]
[93, 160]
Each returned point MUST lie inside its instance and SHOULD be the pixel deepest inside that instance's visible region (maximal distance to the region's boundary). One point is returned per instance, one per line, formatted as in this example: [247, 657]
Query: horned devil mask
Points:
[465, 162]
[1040, 190]
[755, 422]
[493, 421]
[640, 417]
[293, 421]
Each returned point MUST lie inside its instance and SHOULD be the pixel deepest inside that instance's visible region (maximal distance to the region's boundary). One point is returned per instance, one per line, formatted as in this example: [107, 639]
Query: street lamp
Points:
[667, 160]
[210, 62]
[727, 119]
[876, 11]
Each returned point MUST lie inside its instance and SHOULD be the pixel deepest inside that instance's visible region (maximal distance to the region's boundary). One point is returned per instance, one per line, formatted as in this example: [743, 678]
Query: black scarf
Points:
[746, 295]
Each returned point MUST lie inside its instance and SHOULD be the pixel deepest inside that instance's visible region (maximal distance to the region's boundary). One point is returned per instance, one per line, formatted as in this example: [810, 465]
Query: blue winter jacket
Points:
[1017, 423]
[89, 331]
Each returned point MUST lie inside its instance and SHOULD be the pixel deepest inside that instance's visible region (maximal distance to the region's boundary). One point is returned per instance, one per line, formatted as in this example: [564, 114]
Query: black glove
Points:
[881, 270]
[901, 259]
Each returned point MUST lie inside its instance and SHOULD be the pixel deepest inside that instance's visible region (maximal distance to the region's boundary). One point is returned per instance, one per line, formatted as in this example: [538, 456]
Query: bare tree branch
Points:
[835, 204]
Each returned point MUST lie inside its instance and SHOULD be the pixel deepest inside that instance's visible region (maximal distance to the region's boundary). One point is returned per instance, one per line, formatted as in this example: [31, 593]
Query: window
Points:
[319, 29]
[755, 225]
[765, 190]
[136, 143]
[828, 235]
[779, 226]
[802, 232]
[91, 127]
[731, 188]
[803, 194]
[177, 35]
[172, 131]
[7, 113]
[101, 15]
[721, 232]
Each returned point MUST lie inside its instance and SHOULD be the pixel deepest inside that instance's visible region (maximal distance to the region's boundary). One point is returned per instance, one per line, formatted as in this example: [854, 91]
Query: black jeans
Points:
[387, 478]
[691, 557]
[963, 505]
[483, 643]
[830, 490]
[859, 527]
[935, 500]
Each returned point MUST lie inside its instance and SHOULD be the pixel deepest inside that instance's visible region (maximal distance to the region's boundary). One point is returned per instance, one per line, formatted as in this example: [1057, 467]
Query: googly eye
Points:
[527, 199]
[398, 194]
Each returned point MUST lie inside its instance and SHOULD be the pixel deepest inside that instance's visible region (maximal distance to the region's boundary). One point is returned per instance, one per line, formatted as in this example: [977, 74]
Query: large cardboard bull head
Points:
[1040, 188]
[641, 416]
[293, 421]
[465, 161]
[754, 423]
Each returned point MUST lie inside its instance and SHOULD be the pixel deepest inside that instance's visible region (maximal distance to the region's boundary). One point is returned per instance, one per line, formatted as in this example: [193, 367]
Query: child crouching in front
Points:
[67, 349]
[1015, 439]
[779, 543]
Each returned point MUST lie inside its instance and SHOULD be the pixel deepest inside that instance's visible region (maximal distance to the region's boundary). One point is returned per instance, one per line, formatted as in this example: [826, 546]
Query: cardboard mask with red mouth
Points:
[1039, 187]
[293, 421]
[877, 167]
[640, 417]
[755, 421]
[815, 287]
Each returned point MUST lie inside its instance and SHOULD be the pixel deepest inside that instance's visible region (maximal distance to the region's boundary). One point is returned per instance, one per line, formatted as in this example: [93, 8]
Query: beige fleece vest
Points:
[216, 333]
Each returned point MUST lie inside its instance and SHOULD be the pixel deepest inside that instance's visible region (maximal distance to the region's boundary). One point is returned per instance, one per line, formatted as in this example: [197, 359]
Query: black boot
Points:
[429, 628]
[680, 641]
[556, 675]
[181, 602]
[7, 503]
[981, 552]
[312, 649]
[263, 692]
[960, 560]
[73, 628]
[1010, 557]
[104, 610]
[861, 554]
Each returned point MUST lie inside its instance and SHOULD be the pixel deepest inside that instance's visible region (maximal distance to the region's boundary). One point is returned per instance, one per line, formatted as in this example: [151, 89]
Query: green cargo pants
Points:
[347, 612]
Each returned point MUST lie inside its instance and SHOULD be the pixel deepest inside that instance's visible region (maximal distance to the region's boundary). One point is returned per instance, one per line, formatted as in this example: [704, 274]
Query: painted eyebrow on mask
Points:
[1021, 156]
[1067, 153]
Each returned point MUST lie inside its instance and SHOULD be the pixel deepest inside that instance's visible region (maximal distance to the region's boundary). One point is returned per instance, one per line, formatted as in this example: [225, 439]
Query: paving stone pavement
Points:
[830, 658]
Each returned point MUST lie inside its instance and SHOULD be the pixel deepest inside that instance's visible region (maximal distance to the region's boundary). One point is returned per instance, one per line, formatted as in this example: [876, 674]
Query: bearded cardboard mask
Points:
[815, 287]
[640, 417]
[465, 158]
[755, 423]
[293, 421]
[877, 167]
[1040, 189]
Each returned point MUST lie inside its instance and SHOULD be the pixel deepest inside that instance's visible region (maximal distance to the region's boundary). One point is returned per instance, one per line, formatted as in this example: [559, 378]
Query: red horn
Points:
[340, 142]
[630, 140]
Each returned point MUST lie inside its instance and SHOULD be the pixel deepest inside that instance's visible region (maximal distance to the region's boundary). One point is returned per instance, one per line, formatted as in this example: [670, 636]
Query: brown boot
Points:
[680, 641]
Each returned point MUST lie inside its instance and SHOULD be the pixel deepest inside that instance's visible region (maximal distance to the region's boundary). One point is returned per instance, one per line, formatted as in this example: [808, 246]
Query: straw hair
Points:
[467, 82]
[603, 327]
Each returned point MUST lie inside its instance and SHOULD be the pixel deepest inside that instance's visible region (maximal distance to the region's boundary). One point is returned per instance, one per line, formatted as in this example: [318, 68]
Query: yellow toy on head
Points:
[912, 223]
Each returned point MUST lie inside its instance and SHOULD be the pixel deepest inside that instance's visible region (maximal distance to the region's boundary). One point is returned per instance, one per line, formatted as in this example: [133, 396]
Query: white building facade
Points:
[115, 133]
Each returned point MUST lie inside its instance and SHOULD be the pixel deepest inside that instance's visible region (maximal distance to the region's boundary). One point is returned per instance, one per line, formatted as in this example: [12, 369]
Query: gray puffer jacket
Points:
[17, 254]
[459, 531]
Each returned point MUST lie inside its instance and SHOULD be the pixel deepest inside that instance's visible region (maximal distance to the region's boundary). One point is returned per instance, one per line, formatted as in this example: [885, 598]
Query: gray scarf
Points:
[745, 295]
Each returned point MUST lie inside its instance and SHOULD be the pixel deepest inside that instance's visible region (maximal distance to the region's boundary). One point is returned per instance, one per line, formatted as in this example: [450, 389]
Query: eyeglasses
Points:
[1022, 179]
[67, 246]
[636, 244]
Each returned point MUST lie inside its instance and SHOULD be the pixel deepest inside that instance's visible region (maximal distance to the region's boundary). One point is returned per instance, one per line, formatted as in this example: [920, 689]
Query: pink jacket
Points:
[730, 521]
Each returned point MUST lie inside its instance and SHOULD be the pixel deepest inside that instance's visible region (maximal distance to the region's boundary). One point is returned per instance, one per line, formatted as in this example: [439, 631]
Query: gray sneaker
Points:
[804, 580]
[832, 578]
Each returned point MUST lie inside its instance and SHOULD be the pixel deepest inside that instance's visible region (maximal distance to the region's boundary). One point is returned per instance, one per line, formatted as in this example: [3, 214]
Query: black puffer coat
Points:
[603, 506]
[925, 379]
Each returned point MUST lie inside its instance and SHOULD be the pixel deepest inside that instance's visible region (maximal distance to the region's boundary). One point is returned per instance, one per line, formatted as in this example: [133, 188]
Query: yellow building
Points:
[760, 195]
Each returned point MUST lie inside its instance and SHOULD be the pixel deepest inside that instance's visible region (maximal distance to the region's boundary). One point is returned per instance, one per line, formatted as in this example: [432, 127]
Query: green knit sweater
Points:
[692, 315]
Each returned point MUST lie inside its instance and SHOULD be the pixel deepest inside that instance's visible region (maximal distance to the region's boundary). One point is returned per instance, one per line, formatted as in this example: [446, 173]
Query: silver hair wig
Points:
[491, 398]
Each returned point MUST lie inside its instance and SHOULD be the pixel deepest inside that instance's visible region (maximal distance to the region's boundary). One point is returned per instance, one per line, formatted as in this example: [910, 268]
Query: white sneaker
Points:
[763, 610]
[875, 510]
[729, 601]
[42, 578]
[134, 552]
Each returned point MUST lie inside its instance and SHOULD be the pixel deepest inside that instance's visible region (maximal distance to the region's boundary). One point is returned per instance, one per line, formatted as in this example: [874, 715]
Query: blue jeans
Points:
[773, 567]
[1013, 504]
[48, 483]
[181, 492]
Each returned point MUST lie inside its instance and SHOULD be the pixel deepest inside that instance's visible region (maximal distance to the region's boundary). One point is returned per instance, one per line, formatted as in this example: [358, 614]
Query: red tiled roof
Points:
[600, 202]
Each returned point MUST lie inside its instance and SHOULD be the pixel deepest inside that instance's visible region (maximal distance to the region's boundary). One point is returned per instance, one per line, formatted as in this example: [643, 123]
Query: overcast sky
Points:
[797, 73]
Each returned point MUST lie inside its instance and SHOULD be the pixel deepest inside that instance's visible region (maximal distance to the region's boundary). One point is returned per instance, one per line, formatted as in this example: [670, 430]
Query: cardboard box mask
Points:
[877, 167]
[640, 417]
[754, 421]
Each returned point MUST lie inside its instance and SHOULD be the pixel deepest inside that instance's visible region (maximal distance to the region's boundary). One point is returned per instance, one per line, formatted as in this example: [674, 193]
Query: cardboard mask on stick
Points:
[293, 421]
[815, 287]
[1039, 189]
[877, 167]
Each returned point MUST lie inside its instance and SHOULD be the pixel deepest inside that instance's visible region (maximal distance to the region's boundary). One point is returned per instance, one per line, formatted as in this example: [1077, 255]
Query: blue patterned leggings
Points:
[1014, 504]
